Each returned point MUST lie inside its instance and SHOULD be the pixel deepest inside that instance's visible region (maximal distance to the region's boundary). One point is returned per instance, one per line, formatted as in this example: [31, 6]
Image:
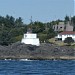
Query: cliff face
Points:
[44, 51]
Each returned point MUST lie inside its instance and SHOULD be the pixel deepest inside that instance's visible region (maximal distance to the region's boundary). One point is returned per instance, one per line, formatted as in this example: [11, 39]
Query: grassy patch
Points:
[59, 43]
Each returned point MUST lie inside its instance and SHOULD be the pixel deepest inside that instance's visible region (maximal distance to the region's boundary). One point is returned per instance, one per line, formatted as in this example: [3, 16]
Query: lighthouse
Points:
[30, 38]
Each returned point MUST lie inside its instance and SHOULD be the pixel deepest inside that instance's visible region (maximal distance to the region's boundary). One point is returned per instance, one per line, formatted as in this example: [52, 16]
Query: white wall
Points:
[65, 36]
[31, 41]
[59, 36]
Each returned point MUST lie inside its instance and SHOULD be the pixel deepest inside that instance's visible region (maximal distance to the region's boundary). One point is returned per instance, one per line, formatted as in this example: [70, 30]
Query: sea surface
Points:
[37, 67]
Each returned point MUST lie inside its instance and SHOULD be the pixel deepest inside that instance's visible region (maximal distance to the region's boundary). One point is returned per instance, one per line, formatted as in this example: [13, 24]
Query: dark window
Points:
[54, 27]
[25, 35]
[60, 27]
[57, 27]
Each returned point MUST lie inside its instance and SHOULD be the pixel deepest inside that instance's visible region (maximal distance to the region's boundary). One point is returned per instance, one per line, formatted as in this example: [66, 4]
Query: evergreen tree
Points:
[66, 19]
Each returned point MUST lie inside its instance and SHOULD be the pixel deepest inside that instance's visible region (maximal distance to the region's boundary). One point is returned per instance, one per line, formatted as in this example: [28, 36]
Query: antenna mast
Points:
[31, 21]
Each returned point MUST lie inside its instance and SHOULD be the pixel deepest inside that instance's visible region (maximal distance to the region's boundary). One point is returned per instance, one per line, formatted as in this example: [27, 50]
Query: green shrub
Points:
[69, 40]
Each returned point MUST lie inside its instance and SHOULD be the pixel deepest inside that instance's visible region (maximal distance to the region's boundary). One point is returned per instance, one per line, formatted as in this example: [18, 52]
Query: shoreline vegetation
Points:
[12, 29]
[45, 51]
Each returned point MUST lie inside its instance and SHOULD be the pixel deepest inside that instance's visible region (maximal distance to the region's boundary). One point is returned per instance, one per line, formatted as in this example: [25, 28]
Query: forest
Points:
[12, 29]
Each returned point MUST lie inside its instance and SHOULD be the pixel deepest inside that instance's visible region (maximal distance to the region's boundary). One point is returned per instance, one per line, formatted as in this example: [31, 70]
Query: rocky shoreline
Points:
[45, 51]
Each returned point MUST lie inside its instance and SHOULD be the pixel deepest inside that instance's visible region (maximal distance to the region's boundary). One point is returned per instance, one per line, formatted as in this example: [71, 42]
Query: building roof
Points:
[67, 32]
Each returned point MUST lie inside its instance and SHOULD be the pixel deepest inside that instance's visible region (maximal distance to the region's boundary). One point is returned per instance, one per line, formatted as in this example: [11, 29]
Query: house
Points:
[61, 36]
[59, 27]
[63, 27]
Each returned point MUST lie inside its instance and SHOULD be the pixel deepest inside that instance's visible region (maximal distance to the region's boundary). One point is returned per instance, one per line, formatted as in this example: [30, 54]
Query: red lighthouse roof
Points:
[67, 32]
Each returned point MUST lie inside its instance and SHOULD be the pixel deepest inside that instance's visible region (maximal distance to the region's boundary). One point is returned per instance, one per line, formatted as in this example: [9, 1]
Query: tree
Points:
[38, 27]
[51, 33]
[73, 22]
[66, 19]
[18, 22]
[69, 40]
[12, 21]
[4, 38]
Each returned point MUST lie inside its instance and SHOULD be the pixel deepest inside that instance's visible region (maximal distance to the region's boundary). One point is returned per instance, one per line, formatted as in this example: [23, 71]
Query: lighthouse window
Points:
[25, 35]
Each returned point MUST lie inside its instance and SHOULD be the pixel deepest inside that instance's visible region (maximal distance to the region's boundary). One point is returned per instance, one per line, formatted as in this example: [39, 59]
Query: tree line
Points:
[12, 29]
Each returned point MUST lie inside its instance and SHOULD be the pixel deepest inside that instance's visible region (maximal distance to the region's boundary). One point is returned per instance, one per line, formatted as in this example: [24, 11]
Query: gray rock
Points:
[44, 51]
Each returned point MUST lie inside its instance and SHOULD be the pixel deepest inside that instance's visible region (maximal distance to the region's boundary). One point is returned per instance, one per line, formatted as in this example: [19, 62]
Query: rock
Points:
[44, 51]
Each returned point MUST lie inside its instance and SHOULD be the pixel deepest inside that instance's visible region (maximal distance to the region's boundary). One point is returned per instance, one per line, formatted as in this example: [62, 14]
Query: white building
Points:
[30, 38]
[65, 34]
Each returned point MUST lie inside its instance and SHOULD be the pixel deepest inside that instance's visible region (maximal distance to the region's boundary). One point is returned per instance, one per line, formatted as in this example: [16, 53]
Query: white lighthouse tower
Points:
[30, 38]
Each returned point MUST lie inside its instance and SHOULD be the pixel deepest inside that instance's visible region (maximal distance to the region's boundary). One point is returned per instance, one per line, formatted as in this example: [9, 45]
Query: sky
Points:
[40, 10]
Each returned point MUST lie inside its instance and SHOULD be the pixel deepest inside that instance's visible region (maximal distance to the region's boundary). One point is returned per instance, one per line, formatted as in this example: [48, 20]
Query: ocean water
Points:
[37, 67]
